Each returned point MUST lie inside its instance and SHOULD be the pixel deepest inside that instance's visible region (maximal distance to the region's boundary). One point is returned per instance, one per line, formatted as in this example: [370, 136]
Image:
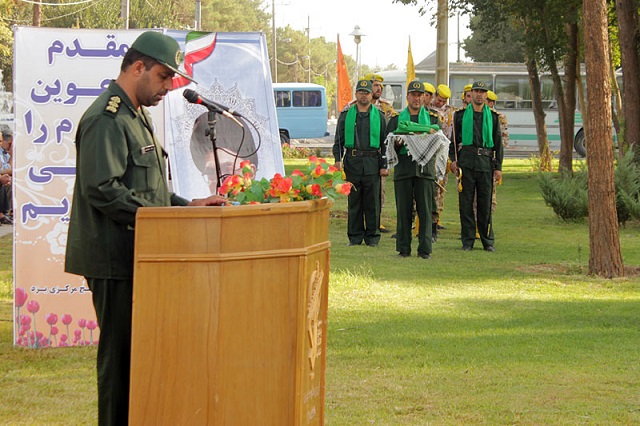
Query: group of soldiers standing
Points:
[479, 134]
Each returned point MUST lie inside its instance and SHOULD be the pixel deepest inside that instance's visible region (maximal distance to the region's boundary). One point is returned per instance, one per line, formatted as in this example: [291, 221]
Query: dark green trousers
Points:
[112, 300]
[363, 222]
[406, 191]
[481, 183]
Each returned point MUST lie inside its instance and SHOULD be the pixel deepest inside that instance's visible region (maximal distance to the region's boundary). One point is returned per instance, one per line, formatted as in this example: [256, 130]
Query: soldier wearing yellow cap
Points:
[413, 182]
[120, 168]
[440, 105]
[504, 130]
[466, 95]
[429, 91]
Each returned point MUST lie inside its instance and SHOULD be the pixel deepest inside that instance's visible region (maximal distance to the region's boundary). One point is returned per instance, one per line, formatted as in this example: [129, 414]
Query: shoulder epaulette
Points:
[113, 105]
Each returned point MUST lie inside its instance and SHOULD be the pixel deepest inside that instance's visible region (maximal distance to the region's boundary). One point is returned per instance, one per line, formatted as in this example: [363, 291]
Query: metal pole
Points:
[198, 15]
[124, 13]
[275, 50]
[442, 46]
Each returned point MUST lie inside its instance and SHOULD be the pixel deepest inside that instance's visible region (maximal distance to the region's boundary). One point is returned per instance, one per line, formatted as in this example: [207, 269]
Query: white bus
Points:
[510, 81]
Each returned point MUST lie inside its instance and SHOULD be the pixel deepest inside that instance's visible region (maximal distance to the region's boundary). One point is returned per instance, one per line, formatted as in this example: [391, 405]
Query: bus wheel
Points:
[580, 144]
[284, 138]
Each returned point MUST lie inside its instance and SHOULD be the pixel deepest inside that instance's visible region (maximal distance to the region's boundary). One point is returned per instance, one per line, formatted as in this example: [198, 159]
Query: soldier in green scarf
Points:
[359, 150]
[477, 151]
[413, 182]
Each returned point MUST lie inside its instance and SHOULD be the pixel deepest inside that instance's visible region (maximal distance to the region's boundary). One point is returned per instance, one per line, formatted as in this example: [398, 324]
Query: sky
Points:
[387, 26]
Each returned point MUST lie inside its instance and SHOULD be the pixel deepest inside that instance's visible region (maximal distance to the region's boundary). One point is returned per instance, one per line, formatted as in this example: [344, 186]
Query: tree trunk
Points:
[570, 71]
[627, 11]
[605, 256]
[539, 116]
[566, 142]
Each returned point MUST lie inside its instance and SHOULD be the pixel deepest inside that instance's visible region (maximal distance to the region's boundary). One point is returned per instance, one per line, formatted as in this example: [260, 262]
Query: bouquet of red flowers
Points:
[318, 181]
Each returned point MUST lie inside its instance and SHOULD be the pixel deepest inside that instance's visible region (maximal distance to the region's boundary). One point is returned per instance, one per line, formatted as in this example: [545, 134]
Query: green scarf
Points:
[405, 115]
[350, 127]
[487, 127]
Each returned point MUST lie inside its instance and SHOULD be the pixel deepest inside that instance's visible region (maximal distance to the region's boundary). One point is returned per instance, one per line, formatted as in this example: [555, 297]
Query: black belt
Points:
[479, 151]
[360, 153]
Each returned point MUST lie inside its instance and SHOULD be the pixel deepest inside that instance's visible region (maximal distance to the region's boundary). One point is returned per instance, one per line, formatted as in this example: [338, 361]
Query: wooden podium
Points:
[230, 315]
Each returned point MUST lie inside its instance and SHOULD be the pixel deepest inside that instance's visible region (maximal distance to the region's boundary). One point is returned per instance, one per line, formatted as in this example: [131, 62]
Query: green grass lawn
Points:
[519, 336]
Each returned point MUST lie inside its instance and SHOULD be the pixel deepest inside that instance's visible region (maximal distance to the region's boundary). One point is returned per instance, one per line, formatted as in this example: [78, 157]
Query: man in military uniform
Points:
[466, 95]
[504, 131]
[429, 91]
[359, 150]
[413, 182]
[120, 167]
[478, 152]
[440, 105]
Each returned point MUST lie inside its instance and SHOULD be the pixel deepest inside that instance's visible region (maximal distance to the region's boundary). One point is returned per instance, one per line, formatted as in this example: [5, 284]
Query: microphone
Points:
[193, 97]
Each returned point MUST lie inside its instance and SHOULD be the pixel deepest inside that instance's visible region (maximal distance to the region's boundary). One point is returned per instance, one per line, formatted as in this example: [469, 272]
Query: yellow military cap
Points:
[467, 88]
[444, 91]
[492, 96]
[428, 87]
[374, 77]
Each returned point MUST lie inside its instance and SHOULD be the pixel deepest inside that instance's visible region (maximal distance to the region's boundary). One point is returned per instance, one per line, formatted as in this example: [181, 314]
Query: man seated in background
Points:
[6, 172]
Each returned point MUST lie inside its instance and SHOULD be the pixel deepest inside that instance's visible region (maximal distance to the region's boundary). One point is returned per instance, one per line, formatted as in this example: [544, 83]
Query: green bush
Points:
[568, 195]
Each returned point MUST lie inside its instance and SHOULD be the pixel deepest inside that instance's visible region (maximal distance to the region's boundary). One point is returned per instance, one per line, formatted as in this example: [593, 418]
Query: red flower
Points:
[297, 172]
[315, 190]
[21, 297]
[343, 188]
[33, 306]
[318, 171]
[51, 318]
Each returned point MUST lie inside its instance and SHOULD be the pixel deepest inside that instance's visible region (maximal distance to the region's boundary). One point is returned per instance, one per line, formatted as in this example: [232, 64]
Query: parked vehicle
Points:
[301, 109]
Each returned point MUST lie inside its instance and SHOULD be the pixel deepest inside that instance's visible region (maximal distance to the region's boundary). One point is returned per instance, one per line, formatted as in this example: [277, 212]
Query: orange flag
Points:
[411, 69]
[344, 85]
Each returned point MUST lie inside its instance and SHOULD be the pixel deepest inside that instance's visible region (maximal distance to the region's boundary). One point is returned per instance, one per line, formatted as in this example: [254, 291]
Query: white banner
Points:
[58, 74]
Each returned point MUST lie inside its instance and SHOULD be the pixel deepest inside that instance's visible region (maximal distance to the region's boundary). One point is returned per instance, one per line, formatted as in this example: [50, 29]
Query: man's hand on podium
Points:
[212, 200]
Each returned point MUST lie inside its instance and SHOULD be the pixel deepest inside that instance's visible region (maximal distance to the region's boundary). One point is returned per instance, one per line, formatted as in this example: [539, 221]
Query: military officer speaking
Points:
[477, 151]
[120, 167]
[359, 149]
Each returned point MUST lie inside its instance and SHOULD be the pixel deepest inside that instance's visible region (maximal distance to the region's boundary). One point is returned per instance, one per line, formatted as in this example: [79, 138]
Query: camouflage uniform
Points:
[504, 130]
[446, 116]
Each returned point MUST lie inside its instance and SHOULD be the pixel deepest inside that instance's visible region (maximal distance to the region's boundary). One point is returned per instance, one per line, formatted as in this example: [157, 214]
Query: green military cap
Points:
[162, 48]
[479, 85]
[415, 86]
[364, 85]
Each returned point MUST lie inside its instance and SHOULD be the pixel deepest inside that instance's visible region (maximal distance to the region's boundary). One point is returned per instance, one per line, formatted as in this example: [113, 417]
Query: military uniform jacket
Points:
[468, 158]
[407, 167]
[119, 168]
[356, 164]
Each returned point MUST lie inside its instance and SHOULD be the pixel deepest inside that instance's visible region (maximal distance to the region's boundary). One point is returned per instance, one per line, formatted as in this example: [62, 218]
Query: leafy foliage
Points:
[568, 195]
[492, 41]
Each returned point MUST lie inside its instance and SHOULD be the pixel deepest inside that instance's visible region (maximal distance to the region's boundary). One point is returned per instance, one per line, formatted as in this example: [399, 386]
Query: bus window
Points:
[457, 83]
[283, 98]
[307, 98]
[393, 93]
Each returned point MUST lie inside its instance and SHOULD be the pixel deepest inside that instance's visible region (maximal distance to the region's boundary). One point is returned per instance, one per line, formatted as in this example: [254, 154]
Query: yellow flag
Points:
[411, 69]
[344, 85]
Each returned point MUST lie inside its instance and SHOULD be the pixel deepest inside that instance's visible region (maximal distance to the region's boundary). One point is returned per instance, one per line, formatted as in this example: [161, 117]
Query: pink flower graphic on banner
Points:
[21, 297]
[91, 325]
[25, 320]
[54, 330]
[33, 306]
[82, 323]
[66, 320]
[51, 318]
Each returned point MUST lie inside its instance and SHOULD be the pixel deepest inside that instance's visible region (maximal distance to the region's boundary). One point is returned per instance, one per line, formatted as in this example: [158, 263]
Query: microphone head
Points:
[191, 96]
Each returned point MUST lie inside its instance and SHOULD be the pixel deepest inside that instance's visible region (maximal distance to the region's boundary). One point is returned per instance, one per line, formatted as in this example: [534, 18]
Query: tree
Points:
[605, 257]
[492, 41]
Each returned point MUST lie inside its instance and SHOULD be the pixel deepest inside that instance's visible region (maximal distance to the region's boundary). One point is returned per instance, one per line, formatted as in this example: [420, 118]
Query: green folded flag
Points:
[408, 127]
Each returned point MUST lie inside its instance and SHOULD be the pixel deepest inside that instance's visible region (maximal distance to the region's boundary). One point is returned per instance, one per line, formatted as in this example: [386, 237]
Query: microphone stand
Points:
[211, 121]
